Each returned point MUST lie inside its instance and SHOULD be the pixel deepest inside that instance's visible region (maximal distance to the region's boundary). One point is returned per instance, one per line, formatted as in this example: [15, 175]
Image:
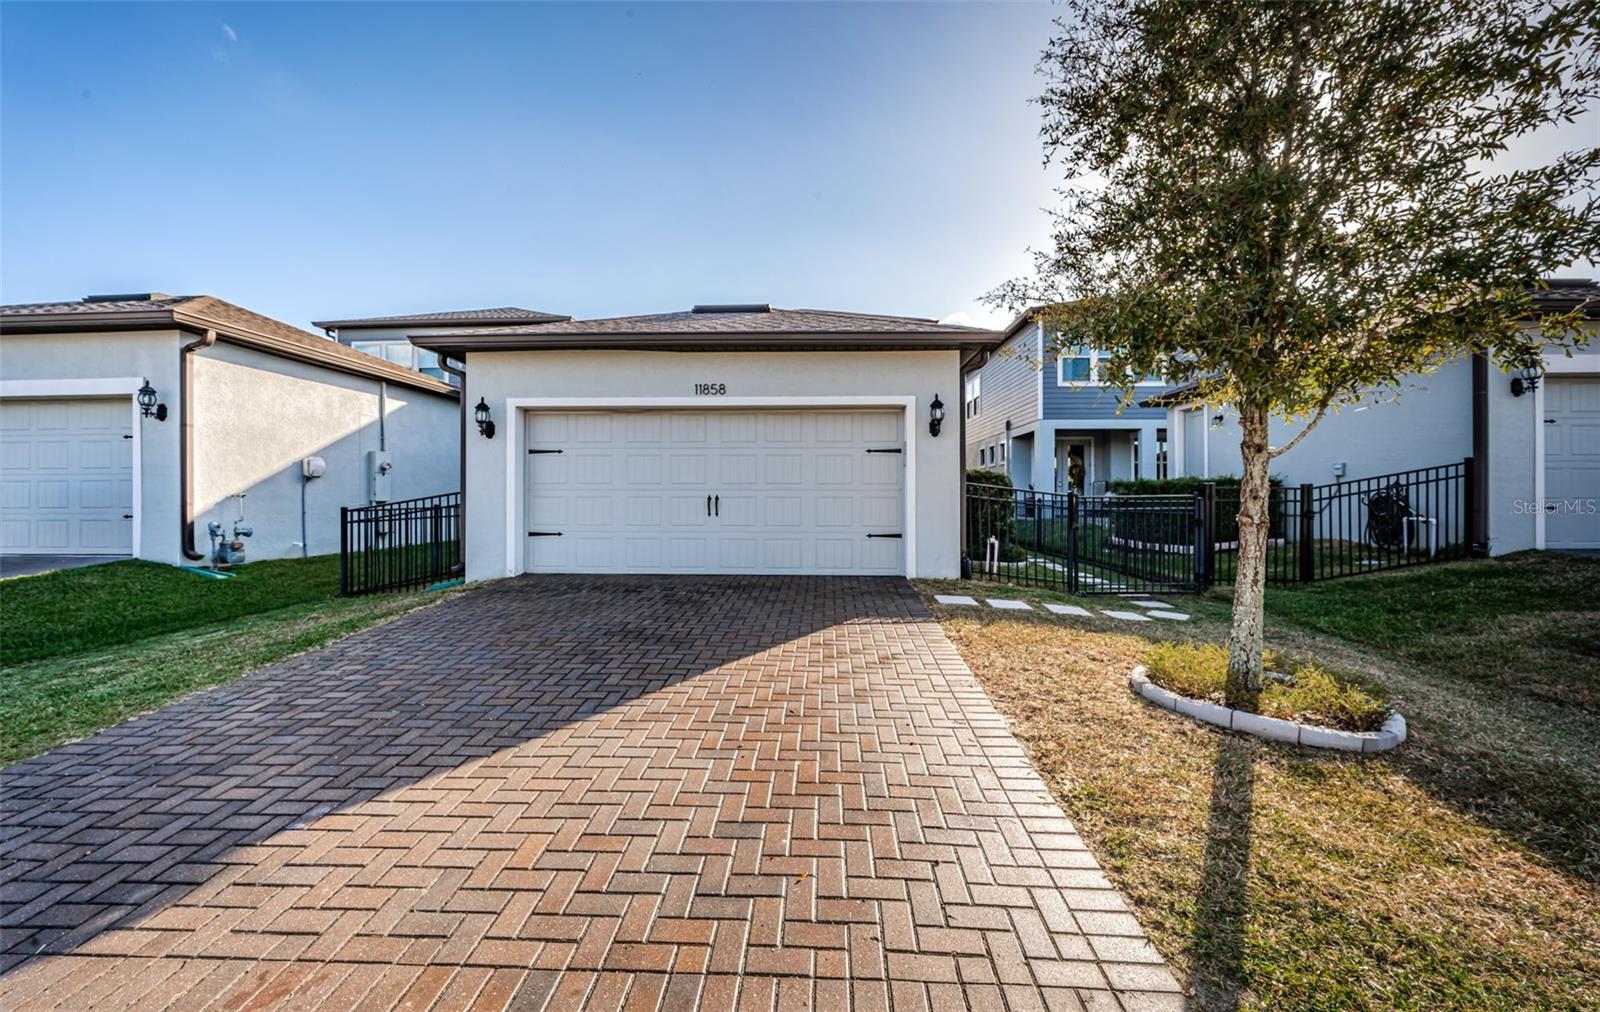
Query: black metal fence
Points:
[1120, 544]
[399, 545]
[1084, 544]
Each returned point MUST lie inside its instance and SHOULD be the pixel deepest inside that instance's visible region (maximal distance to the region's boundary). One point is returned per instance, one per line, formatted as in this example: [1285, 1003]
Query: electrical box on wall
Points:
[313, 467]
[379, 464]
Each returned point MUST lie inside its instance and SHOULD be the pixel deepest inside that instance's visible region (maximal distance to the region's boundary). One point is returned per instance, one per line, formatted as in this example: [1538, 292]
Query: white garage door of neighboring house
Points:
[715, 492]
[66, 476]
[1572, 462]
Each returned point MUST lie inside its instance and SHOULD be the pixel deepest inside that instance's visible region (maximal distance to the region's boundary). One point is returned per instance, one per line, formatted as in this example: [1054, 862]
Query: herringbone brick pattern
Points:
[565, 792]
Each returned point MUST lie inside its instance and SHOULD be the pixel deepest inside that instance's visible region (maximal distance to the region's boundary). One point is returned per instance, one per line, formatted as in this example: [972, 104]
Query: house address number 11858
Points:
[710, 389]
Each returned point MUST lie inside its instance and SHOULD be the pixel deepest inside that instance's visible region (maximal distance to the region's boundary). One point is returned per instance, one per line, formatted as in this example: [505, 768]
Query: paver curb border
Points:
[1389, 736]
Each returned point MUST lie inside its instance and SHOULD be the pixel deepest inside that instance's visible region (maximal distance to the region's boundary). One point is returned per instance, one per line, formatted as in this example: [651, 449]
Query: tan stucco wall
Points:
[499, 377]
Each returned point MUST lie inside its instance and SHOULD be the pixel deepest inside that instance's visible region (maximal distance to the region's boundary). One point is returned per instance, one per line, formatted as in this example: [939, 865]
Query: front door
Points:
[1072, 466]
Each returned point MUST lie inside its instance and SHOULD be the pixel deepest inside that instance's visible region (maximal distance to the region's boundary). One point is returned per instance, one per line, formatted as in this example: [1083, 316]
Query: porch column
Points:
[1044, 458]
[1147, 450]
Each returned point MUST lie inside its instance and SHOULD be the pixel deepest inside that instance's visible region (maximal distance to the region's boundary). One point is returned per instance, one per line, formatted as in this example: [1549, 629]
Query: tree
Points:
[1290, 204]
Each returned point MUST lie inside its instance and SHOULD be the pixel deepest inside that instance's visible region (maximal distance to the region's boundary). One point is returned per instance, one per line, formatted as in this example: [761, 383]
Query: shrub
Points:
[1173, 528]
[1310, 695]
[991, 510]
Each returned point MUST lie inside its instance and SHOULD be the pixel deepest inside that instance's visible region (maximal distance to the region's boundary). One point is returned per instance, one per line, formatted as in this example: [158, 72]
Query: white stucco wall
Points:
[500, 377]
[49, 365]
[258, 415]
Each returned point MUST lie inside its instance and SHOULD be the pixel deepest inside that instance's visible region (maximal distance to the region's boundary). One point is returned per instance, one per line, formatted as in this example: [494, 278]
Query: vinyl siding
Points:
[1089, 401]
[1010, 381]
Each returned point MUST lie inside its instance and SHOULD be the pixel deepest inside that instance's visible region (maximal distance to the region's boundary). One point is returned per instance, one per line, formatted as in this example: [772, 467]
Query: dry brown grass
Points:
[1278, 877]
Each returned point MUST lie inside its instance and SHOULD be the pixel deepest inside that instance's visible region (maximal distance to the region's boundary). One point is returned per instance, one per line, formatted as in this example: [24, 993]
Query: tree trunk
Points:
[1243, 690]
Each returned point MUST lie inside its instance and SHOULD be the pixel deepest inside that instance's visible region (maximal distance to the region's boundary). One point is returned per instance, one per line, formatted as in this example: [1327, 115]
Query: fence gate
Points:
[1081, 544]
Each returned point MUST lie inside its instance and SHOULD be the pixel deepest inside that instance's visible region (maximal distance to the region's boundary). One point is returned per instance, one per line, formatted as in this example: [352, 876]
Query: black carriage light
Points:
[480, 414]
[1526, 381]
[148, 405]
[935, 415]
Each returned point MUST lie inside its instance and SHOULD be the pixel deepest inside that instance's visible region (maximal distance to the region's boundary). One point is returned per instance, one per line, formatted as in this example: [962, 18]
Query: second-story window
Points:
[973, 394]
[1075, 364]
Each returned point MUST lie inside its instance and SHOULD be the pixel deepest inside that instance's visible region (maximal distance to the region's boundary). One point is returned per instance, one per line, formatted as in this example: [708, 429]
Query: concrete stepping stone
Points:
[961, 599]
[1066, 609]
[1005, 604]
[1126, 616]
[1151, 604]
[1175, 616]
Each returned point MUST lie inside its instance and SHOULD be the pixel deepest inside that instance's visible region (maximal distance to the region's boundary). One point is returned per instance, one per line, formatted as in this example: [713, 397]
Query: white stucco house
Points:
[239, 401]
[1535, 446]
[723, 439]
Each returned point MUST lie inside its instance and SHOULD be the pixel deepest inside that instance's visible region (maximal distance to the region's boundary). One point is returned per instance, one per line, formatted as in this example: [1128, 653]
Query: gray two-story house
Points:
[1048, 421]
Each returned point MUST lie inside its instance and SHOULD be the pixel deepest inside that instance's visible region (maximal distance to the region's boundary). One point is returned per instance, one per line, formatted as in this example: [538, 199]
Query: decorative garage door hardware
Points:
[876, 450]
[883, 535]
[547, 451]
[713, 505]
[544, 534]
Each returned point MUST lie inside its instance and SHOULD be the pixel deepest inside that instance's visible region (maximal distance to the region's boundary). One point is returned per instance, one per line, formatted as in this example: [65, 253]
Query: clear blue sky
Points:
[326, 160]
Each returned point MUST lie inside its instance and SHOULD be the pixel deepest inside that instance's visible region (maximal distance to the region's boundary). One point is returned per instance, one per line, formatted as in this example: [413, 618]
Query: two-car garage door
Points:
[806, 491]
[66, 476]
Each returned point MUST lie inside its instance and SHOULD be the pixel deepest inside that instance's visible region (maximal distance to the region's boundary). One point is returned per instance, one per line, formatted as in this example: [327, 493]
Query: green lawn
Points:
[1460, 871]
[83, 649]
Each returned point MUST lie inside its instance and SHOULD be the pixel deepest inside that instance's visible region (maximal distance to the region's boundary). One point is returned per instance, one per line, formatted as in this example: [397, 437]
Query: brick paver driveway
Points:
[554, 792]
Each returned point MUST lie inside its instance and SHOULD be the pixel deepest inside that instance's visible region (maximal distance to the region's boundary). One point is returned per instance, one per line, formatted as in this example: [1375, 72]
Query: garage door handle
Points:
[895, 450]
[708, 505]
[896, 536]
[717, 499]
[127, 516]
[544, 534]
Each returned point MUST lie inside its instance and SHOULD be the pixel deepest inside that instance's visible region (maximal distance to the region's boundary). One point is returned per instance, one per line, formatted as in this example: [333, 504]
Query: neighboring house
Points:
[240, 401]
[1047, 420]
[1536, 453]
[725, 439]
[388, 337]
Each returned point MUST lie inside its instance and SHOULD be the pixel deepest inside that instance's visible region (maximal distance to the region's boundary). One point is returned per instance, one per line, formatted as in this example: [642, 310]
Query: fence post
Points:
[1469, 507]
[344, 551]
[1208, 534]
[1308, 533]
[1072, 540]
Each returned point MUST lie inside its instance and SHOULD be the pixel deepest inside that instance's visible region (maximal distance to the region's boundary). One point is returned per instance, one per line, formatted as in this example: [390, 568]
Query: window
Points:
[1081, 364]
[368, 347]
[974, 389]
[1002, 453]
[399, 352]
[1075, 365]
[1161, 453]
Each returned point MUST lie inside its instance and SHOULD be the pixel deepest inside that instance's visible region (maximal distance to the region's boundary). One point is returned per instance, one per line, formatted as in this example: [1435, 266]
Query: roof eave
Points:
[731, 341]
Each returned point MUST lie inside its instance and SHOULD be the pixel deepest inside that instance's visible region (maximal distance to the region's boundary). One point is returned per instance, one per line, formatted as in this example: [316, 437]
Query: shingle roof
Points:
[739, 327]
[746, 320]
[205, 312]
[1567, 294]
[503, 314]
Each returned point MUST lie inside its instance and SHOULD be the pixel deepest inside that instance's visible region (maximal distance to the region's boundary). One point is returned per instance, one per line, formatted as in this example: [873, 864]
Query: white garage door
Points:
[1572, 462]
[66, 476]
[715, 492]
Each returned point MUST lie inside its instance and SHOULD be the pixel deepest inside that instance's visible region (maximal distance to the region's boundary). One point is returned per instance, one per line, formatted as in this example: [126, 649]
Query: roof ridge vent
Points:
[734, 307]
[131, 297]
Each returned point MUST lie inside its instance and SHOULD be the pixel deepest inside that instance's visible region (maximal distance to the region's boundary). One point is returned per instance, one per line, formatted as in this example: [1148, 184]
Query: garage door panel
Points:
[67, 476]
[792, 492]
[836, 468]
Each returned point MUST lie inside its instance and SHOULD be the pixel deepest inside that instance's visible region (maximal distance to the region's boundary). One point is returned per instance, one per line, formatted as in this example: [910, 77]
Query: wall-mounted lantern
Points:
[480, 414]
[147, 403]
[935, 415]
[1526, 381]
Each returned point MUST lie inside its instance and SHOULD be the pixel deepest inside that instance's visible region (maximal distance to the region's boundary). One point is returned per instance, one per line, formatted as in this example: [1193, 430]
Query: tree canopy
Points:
[1290, 203]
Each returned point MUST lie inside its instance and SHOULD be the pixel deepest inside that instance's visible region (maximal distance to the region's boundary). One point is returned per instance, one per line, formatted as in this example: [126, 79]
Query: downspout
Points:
[186, 443]
[461, 374]
[1478, 509]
